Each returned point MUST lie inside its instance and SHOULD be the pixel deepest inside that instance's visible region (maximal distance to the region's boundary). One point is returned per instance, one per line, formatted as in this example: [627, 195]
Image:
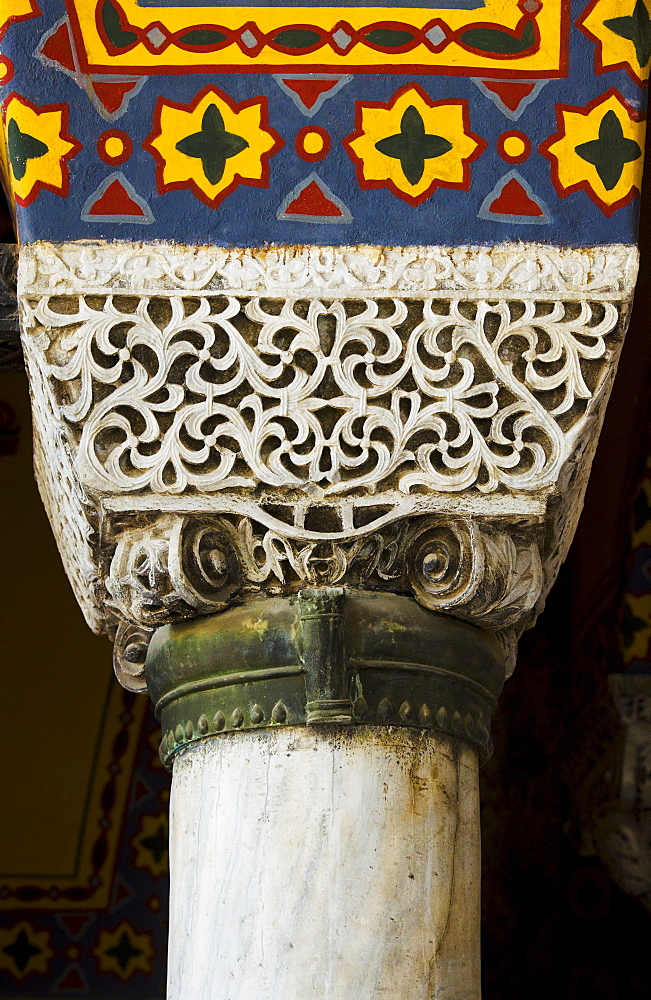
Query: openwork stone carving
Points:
[235, 421]
[325, 397]
[614, 796]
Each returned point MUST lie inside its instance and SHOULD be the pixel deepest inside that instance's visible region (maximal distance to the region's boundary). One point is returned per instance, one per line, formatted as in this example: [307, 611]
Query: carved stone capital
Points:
[217, 424]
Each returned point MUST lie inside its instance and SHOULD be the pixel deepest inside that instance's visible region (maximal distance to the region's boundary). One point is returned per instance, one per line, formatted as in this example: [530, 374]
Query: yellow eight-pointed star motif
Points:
[598, 149]
[123, 951]
[24, 950]
[212, 145]
[412, 145]
[621, 30]
[37, 146]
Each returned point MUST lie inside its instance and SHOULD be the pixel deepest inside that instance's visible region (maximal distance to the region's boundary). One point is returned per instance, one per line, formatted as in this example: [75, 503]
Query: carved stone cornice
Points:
[227, 422]
[524, 269]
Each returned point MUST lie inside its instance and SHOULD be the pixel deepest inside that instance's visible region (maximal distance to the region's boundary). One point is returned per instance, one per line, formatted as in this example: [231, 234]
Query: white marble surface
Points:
[308, 865]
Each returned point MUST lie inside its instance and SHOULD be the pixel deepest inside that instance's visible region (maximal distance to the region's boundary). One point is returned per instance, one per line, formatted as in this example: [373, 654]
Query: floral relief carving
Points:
[149, 268]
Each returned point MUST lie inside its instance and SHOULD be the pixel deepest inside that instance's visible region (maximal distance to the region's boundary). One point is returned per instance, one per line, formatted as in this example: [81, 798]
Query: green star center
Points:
[412, 145]
[21, 950]
[636, 28]
[123, 951]
[213, 145]
[157, 843]
[610, 152]
[22, 147]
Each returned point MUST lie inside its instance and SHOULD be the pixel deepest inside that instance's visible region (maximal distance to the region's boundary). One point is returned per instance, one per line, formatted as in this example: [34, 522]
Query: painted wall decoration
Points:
[233, 124]
[64, 940]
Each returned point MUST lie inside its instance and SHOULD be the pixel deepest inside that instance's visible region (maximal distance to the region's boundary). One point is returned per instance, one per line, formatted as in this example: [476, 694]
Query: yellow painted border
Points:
[96, 886]
[553, 21]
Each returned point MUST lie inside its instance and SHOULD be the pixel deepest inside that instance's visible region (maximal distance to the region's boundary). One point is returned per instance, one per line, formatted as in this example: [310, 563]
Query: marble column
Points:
[325, 865]
[325, 810]
[369, 611]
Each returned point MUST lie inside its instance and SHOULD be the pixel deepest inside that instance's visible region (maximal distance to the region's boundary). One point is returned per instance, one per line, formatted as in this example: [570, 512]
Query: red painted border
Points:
[514, 133]
[300, 139]
[114, 133]
[385, 68]
[544, 148]
[366, 185]
[64, 134]
[190, 185]
[599, 66]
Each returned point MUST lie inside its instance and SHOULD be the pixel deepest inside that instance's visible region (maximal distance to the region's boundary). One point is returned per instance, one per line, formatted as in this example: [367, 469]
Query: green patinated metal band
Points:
[327, 657]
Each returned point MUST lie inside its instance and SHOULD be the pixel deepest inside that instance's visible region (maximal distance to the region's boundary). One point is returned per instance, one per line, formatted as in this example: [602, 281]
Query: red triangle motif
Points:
[116, 201]
[111, 94]
[71, 980]
[309, 91]
[75, 923]
[514, 200]
[140, 790]
[121, 891]
[312, 200]
[58, 48]
[510, 92]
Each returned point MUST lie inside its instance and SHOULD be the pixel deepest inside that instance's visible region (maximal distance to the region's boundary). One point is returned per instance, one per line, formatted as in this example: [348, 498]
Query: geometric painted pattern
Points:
[212, 145]
[621, 31]
[407, 114]
[114, 945]
[513, 200]
[412, 145]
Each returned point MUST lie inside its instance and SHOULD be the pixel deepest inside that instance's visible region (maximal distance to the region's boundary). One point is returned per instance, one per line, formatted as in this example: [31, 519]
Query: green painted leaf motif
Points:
[610, 153]
[636, 28]
[497, 42]
[22, 147]
[203, 36]
[412, 145]
[115, 33]
[297, 38]
[213, 145]
[389, 38]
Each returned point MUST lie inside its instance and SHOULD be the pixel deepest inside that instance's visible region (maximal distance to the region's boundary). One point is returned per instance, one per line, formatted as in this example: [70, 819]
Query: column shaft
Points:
[333, 864]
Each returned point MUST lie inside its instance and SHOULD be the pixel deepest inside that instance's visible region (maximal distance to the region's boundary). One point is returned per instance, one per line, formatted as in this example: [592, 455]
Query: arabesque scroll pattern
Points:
[328, 397]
